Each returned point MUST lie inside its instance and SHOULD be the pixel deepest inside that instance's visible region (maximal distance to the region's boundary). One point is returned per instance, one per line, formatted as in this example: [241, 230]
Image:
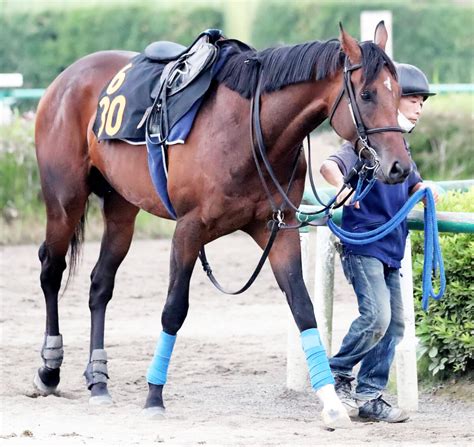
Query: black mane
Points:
[286, 65]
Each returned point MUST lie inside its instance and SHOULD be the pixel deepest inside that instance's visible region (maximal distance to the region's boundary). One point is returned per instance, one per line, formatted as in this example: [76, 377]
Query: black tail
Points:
[75, 247]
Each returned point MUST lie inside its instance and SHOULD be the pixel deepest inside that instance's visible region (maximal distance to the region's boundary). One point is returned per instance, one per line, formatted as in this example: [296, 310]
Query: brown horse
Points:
[213, 182]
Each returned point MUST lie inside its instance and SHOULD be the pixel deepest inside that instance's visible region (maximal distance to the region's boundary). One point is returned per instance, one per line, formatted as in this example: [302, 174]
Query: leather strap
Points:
[207, 268]
[348, 89]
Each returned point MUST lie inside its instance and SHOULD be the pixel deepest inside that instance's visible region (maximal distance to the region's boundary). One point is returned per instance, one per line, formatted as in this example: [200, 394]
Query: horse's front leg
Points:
[285, 259]
[184, 252]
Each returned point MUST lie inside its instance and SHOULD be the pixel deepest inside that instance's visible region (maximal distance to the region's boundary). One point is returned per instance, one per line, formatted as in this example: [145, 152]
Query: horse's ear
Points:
[350, 46]
[381, 35]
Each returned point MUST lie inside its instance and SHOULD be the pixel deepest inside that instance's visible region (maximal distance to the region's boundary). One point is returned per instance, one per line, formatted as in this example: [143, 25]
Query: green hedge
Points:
[446, 330]
[436, 36]
[442, 142]
[41, 45]
[20, 190]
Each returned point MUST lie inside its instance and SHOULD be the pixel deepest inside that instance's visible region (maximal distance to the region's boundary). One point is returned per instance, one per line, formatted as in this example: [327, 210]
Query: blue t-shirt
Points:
[379, 206]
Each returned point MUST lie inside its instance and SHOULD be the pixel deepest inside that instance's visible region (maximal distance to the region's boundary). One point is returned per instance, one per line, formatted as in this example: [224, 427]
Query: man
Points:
[373, 270]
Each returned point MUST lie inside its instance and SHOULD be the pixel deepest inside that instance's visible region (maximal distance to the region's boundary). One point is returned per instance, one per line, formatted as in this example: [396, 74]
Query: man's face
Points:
[411, 107]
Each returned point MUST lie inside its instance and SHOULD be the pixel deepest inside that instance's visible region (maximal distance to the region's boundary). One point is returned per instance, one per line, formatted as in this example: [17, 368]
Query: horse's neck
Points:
[292, 113]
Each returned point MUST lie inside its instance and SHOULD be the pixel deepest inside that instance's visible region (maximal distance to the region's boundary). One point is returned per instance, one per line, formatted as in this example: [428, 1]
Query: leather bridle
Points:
[362, 132]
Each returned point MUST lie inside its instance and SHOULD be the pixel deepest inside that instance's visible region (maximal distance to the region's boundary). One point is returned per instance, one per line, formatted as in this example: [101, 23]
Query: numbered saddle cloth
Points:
[124, 101]
[127, 99]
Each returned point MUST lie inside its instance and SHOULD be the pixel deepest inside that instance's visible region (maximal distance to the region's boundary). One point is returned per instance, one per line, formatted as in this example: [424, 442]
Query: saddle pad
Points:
[126, 100]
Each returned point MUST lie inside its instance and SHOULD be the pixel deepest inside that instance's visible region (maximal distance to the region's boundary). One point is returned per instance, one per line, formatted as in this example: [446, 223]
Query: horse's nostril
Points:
[397, 172]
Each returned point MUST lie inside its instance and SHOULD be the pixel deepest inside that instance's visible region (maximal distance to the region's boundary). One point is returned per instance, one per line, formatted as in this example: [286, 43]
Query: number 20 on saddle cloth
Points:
[155, 101]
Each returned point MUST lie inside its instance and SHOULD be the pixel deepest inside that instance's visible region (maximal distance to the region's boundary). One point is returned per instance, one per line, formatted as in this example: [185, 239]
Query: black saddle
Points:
[165, 51]
[185, 78]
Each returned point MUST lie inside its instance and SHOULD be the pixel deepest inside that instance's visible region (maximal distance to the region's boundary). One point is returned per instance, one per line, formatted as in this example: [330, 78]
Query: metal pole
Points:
[407, 379]
[324, 284]
[239, 17]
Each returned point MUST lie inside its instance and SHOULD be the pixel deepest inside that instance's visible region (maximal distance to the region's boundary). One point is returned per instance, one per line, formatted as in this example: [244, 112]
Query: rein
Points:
[277, 221]
[259, 151]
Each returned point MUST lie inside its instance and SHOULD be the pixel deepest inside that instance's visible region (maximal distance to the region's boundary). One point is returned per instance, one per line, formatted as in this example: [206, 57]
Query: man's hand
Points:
[344, 193]
[423, 185]
[331, 173]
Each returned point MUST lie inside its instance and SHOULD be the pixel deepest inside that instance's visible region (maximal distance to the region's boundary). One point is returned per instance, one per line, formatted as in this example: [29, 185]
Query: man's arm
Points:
[332, 174]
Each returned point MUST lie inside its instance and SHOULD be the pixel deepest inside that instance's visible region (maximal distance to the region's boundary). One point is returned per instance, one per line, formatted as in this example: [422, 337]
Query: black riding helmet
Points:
[413, 81]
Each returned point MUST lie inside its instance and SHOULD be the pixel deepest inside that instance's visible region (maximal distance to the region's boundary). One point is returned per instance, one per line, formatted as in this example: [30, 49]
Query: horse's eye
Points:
[366, 95]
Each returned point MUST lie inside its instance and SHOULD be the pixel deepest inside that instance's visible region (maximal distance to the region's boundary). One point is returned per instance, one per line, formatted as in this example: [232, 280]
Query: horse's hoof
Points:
[336, 418]
[43, 389]
[154, 412]
[103, 399]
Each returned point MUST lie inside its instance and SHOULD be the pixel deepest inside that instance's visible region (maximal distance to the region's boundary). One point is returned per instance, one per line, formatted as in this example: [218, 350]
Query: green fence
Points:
[448, 222]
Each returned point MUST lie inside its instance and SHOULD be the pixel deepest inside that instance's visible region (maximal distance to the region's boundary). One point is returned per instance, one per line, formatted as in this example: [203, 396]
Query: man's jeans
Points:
[373, 336]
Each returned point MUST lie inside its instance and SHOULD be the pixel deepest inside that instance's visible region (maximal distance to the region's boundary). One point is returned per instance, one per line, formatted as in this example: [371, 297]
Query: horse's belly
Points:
[125, 167]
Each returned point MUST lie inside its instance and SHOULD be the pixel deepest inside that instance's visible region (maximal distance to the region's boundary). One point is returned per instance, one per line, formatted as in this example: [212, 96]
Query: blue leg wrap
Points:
[318, 365]
[158, 369]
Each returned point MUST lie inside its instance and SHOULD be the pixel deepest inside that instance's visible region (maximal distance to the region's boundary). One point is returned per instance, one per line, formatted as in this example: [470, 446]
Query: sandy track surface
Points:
[227, 375]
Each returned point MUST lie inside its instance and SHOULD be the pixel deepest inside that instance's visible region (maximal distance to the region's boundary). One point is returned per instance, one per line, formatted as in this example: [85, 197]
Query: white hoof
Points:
[154, 413]
[351, 408]
[336, 418]
[105, 399]
[43, 389]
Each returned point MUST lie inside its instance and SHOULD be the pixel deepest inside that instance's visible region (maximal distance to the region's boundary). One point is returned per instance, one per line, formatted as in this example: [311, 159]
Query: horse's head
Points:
[372, 94]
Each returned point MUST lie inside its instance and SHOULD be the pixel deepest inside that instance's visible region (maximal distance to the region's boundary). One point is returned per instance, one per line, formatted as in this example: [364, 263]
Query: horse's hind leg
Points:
[285, 259]
[119, 219]
[65, 221]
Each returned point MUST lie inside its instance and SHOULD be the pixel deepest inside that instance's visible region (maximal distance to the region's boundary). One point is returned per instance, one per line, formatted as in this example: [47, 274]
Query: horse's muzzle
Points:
[397, 173]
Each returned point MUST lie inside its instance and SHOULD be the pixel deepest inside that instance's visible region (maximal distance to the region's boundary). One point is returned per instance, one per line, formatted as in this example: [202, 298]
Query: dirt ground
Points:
[227, 375]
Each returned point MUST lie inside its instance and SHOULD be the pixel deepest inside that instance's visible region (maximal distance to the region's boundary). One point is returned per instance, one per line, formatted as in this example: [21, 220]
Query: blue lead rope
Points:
[361, 193]
[433, 257]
